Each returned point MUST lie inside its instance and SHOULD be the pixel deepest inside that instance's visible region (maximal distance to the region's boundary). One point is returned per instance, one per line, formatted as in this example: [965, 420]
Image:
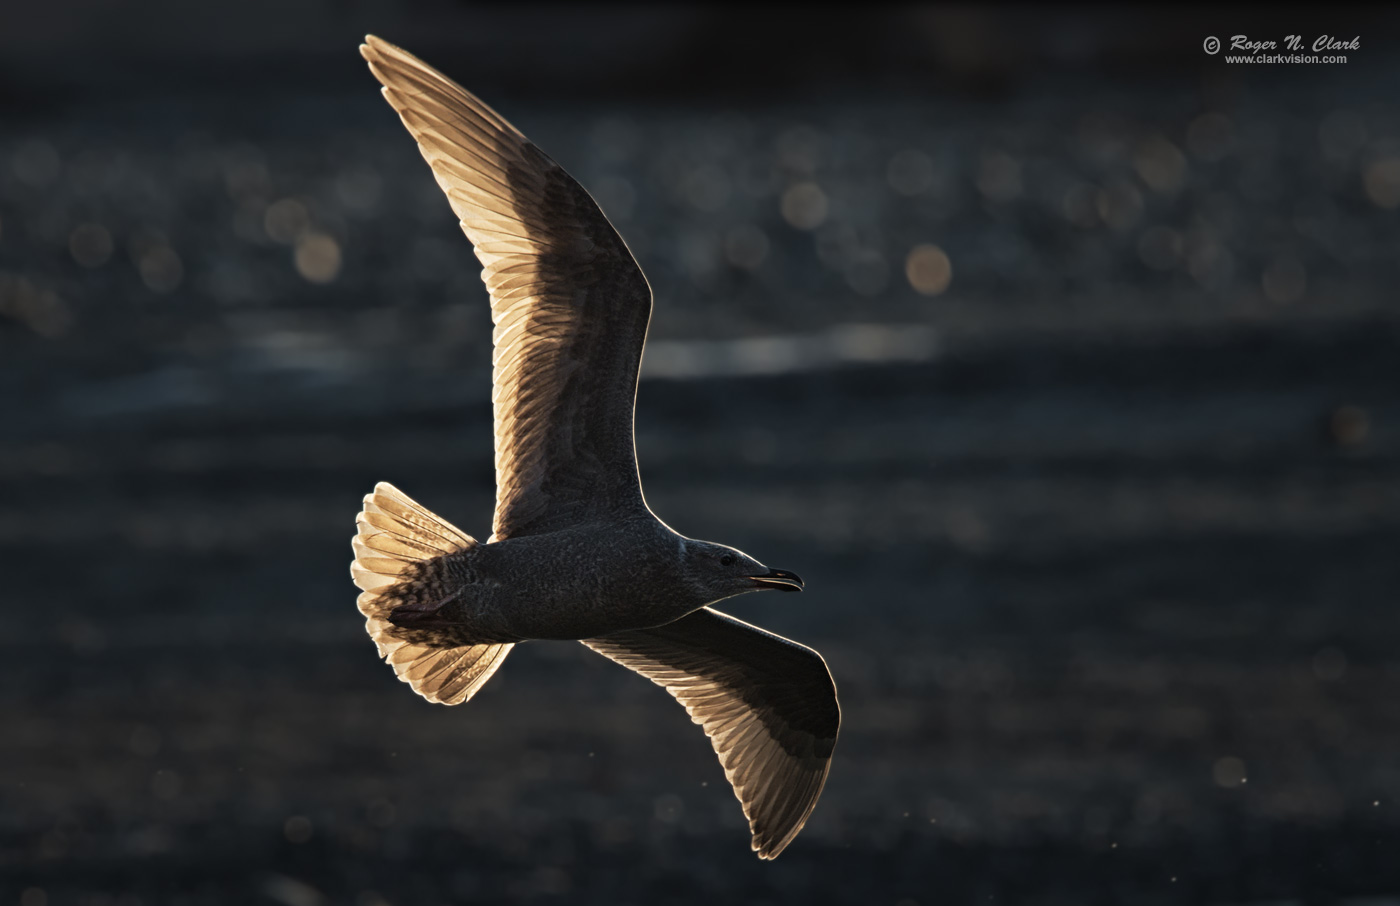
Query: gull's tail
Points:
[406, 557]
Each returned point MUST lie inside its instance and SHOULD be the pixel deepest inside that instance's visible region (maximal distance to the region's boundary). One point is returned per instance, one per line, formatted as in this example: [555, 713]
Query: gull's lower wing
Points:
[569, 303]
[767, 703]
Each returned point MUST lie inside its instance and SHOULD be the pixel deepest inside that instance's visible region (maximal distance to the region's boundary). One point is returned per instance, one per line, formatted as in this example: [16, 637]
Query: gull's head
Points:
[722, 572]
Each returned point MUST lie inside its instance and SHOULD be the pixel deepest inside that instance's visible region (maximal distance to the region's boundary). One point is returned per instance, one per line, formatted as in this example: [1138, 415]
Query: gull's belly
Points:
[579, 585]
[563, 617]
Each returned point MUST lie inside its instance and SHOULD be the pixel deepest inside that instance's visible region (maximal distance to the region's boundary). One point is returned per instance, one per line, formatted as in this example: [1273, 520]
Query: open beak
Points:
[780, 579]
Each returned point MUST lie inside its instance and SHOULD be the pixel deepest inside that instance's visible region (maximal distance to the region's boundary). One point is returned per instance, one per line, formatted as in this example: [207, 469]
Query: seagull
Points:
[575, 552]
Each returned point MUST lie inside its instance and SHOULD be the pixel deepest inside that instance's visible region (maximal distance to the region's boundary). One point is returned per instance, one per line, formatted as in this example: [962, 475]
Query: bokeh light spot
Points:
[90, 244]
[928, 269]
[161, 269]
[42, 309]
[297, 829]
[1159, 247]
[910, 172]
[381, 813]
[1228, 771]
[707, 188]
[800, 149]
[1382, 178]
[318, 258]
[668, 808]
[745, 246]
[245, 175]
[1350, 425]
[867, 272]
[286, 220]
[1079, 207]
[1102, 137]
[1161, 165]
[1119, 204]
[804, 206]
[999, 176]
[1211, 264]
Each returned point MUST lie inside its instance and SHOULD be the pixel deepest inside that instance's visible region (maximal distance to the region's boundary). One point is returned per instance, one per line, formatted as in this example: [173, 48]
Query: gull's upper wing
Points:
[569, 303]
[768, 705]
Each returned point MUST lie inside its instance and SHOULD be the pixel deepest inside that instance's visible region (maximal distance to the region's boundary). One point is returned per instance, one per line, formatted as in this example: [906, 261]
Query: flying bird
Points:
[575, 553]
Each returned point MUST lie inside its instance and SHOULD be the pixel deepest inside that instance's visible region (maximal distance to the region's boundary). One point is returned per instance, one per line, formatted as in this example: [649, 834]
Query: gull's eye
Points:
[726, 560]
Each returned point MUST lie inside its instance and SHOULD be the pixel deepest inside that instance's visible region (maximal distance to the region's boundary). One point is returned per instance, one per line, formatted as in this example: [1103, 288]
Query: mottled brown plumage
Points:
[575, 553]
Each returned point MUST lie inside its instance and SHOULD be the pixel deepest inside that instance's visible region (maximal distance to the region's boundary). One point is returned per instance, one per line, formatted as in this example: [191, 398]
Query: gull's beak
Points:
[780, 579]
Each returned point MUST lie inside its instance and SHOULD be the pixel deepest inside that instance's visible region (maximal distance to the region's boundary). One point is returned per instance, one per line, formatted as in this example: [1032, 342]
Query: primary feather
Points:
[569, 304]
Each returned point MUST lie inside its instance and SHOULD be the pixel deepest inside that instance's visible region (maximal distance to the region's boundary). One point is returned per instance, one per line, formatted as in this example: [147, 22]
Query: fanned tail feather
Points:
[404, 554]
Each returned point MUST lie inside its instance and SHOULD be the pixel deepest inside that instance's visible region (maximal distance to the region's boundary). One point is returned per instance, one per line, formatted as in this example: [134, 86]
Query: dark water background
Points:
[1102, 541]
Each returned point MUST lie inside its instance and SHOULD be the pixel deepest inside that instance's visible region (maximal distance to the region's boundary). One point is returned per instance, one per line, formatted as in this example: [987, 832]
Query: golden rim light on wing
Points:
[570, 308]
[569, 303]
[767, 703]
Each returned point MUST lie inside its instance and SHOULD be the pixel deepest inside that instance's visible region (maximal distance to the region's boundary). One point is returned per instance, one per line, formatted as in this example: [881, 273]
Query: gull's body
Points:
[575, 553]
